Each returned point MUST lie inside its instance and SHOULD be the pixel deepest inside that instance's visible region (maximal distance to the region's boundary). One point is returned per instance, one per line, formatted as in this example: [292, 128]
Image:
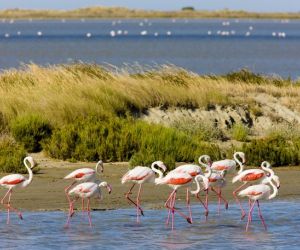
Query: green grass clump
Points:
[117, 139]
[239, 132]
[11, 155]
[31, 130]
[276, 149]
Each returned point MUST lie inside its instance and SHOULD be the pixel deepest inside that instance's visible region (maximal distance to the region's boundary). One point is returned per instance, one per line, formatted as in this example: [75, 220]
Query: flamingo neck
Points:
[207, 167]
[99, 163]
[159, 172]
[275, 189]
[29, 180]
[235, 156]
[267, 168]
[204, 180]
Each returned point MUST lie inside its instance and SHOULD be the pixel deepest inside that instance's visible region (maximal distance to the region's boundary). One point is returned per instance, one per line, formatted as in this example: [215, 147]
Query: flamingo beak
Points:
[164, 168]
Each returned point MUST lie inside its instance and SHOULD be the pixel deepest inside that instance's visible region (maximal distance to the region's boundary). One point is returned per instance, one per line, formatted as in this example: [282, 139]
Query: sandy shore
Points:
[46, 192]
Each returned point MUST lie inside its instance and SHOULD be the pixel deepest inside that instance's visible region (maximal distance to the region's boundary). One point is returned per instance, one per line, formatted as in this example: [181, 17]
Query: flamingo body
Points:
[12, 181]
[249, 175]
[139, 175]
[191, 169]
[176, 180]
[256, 192]
[82, 174]
[228, 165]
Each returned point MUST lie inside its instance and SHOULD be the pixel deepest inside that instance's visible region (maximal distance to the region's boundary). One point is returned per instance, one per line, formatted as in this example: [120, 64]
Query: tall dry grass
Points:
[62, 94]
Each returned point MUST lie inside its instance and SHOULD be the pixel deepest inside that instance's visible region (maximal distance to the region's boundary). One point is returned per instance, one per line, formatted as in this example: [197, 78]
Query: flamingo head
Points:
[276, 180]
[161, 165]
[32, 162]
[100, 163]
[105, 184]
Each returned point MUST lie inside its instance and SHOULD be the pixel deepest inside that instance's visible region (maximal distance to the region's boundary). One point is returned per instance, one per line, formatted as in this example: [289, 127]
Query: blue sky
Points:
[250, 5]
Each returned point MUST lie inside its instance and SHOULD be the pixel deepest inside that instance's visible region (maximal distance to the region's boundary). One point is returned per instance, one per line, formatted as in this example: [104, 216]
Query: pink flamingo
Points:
[176, 180]
[194, 170]
[250, 176]
[81, 175]
[229, 165]
[87, 190]
[13, 181]
[256, 193]
[140, 175]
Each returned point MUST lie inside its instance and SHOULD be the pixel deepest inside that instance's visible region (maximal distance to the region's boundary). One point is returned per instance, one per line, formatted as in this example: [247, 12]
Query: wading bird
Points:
[140, 175]
[251, 176]
[194, 170]
[229, 165]
[13, 181]
[176, 180]
[87, 190]
[256, 193]
[82, 175]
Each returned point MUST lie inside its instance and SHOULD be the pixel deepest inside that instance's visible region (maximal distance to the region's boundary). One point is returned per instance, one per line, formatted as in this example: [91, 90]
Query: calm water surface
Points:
[189, 45]
[117, 229]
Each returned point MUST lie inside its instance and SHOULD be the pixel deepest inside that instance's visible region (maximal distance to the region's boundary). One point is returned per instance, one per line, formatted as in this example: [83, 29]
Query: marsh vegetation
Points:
[86, 112]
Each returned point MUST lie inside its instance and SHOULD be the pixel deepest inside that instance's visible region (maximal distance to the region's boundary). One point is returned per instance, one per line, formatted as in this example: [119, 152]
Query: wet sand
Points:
[46, 192]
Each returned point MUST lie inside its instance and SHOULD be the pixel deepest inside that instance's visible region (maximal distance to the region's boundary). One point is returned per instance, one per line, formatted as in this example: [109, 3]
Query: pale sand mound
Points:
[273, 114]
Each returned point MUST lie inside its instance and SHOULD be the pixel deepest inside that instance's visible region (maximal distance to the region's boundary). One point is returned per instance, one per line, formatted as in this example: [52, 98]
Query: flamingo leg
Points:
[9, 207]
[89, 212]
[71, 213]
[128, 198]
[249, 216]
[260, 215]
[188, 204]
[249, 202]
[67, 188]
[171, 203]
[220, 197]
[138, 204]
[82, 206]
[238, 201]
[206, 201]
[206, 209]
[167, 205]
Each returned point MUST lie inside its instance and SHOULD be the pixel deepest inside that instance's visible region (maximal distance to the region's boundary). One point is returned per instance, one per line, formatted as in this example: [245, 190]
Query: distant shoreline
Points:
[118, 12]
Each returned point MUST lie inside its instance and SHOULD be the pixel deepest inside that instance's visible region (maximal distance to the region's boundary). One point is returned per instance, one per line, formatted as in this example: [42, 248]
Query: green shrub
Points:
[30, 130]
[239, 132]
[277, 150]
[11, 155]
[116, 139]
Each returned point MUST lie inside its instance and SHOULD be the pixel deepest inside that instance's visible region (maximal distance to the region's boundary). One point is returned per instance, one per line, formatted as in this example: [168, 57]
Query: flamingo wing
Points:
[223, 165]
[249, 175]
[255, 191]
[137, 174]
[174, 178]
[191, 169]
[12, 179]
[80, 173]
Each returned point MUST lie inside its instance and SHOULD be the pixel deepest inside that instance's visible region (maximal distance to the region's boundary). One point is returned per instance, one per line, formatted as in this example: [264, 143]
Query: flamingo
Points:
[194, 170]
[87, 190]
[176, 180]
[140, 175]
[16, 181]
[229, 165]
[256, 193]
[251, 176]
[81, 175]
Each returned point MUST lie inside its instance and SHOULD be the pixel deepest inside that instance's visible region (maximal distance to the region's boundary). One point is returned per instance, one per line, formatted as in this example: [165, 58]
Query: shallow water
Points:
[189, 45]
[114, 229]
